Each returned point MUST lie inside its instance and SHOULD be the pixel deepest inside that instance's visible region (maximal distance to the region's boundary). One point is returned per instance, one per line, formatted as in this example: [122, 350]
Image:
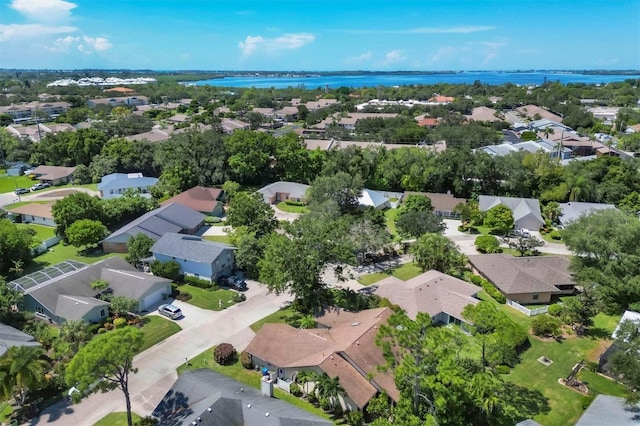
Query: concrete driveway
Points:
[49, 195]
[157, 365]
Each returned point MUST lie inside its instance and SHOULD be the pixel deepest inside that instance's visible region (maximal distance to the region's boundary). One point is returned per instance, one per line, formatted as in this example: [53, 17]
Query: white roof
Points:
[372, 198]
[628, 316]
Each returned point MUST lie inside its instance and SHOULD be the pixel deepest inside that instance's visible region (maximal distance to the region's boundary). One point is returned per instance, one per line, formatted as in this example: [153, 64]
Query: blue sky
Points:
[320, 35]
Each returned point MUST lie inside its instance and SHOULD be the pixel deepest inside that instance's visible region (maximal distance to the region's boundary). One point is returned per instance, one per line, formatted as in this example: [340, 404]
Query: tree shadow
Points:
[528, 403]
[597, 333]
[173, 408]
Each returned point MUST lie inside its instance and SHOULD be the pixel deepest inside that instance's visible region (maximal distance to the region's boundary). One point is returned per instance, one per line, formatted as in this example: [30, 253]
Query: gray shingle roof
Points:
[10, 337]
[520, 207]
[189, 247]
[232, 403]
[170, 218]
[573, 210]
[609, 410]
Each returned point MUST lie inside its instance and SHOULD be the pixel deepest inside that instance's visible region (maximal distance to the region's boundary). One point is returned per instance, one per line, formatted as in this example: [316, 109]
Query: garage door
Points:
[152, 300]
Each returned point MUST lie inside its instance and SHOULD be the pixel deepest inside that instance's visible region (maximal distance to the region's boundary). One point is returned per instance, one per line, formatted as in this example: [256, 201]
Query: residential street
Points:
[157, 365]
[49, 195]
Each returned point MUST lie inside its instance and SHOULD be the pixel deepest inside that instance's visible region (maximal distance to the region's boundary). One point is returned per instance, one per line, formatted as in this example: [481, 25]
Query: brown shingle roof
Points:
[440, 202]
[432, 292]
[517, 275]
[53, 172]
[34, 209]
[198, 198]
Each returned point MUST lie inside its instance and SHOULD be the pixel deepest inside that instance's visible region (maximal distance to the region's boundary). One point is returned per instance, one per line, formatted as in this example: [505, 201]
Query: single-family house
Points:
[153, 135]
[533, 279]
[533, 112]
[39, 214]
[429, 122]
[604, 363]
[230, 125]
[10, 337]
[196, 256]
[62, 293]
[573, 210]
[283, 191]
[375, 199]
[118, 101]
[342, 346]
[201, 199]
[172, 217]
[526, 211]
[55, 175]
[207, 398]
[609, 410]
[443, 204]
[441, 296]
[115, 184]
[483, 113]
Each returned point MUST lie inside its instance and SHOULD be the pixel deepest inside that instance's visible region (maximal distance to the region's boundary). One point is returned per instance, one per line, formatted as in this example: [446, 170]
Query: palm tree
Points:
[308, 321]
[329, 388]
[75, 332]
[304, 378]
[23, 370]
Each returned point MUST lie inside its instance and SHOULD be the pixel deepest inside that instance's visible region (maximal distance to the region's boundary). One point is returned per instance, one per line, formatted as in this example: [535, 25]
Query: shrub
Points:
[295, 203]
[555, 310]
[239, 297]
[102, 330]
[354, 418]
[108, 326]
[210, 220]
[487, 244]
[486, 286]
[503, 369]
[555, 235]
[245, 360]
[463, 228]
[197, 282]
[545, 325]
[592, 366]
[224, 354]
[295, 390]
[119, 322]
[169, 270]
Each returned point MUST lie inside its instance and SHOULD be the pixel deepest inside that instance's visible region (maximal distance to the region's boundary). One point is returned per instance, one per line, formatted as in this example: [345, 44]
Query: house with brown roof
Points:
[343, 346]
[441, 296]
[429, 122]
[443, 204]
[533, 279]
[204, 200]
[39, 214]
[483, 113]
[533, 111]
[55, 175]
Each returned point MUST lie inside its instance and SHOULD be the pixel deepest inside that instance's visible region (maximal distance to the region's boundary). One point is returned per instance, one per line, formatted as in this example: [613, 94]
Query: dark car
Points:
[233, 282]
[19, 191]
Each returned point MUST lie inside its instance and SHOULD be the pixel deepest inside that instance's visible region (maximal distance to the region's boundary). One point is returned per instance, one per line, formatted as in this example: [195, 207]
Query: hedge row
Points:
[488, 287]
[295, 203]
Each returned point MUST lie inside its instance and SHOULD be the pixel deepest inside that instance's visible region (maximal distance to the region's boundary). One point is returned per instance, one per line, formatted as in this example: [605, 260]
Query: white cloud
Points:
[393, 57]
[98, 43]
[365, 57]
[257, 44]
[82, 44]
[44, 10]
[24, 31]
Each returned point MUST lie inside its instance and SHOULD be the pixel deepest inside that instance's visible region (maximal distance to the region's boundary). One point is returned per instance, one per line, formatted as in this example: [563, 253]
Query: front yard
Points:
[117, 419]
[215, 300]
[289, 208]
[156, 329]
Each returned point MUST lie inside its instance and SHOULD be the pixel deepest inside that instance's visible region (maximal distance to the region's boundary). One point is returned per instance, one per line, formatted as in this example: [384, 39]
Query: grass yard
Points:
[10, 183]
[224, 239]
[61, 252]
[206, 299]
[116, 419]
[283, 316]
[156, 329]
[42, 232]
[404, 272]
[391, 215]
[249, 377]
[291, 209]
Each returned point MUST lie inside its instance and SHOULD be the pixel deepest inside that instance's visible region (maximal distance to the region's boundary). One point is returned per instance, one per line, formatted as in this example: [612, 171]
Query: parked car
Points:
[19, 191]
[171, 311]
[41, 185]
[233, 282]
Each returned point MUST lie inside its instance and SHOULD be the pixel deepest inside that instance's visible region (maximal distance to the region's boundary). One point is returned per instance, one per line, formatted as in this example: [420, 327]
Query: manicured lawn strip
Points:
[156, 329]
[23, 203]
[249, 377]
[283, 316]
[42, 232]
[404, 272]
[116, 419]
[206, 299]
[61, 252]
[224, 239]
[10, 183]
[291, 209]
[391, 215]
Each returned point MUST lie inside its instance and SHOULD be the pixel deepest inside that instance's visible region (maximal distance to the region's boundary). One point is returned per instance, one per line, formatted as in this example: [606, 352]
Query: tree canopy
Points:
[435, 251]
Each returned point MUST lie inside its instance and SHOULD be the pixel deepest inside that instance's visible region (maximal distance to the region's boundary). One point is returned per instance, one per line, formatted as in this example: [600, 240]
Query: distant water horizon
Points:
[389, 80]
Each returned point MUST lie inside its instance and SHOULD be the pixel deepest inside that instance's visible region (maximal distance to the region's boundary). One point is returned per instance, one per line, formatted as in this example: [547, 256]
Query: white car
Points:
[171, 311]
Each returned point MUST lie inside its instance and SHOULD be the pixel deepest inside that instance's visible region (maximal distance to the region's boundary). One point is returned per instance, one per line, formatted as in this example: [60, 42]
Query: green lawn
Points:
[391, 215]
[206, 299]
[42, 232]
[61, 252]
[285, 316]
[249, 378]
[116, 419]
[291, 209]
[10, 183]
[156, 329]
[404, 272]
[224, 239]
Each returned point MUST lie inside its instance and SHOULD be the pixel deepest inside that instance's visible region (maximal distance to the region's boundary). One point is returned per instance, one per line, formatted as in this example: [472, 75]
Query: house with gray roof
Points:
[610, 410]
[172, 217]
[283, 191]
[70, 297]
[526, 211]
[573, 210]
[375, 199]
[533, 279]
[441, 296]
[206, 398]
[197, 257]
[10, 337]
[115, 184]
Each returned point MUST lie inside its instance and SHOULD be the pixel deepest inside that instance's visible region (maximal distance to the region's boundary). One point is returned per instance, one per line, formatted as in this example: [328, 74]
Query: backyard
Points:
[404, 272]
[61, 252]
[42, 232]
[223, 239]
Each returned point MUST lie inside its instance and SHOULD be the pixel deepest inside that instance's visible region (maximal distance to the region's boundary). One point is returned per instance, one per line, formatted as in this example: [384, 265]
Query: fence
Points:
[49, 242]
[527, 311]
